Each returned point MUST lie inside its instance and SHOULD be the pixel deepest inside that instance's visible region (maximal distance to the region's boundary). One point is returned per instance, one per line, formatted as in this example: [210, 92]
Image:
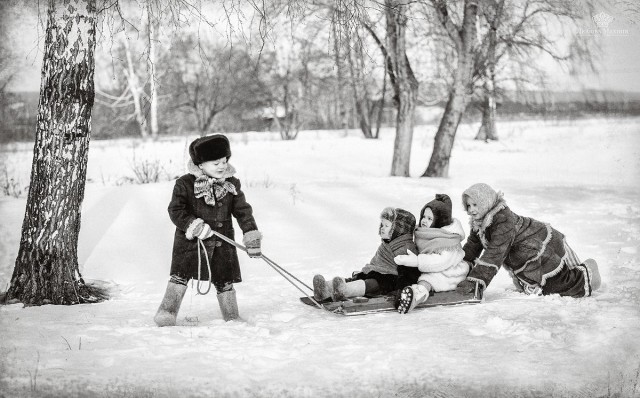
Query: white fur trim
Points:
[480, 281]
[251, 236]
[191, 228]
[486, 264]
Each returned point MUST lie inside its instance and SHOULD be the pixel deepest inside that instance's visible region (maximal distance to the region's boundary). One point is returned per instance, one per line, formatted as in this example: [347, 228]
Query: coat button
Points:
[219, 204]
[218, 244]
[219, 224]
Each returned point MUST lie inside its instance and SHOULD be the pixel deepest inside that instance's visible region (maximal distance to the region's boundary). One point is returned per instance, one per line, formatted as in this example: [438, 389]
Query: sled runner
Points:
[370, 305]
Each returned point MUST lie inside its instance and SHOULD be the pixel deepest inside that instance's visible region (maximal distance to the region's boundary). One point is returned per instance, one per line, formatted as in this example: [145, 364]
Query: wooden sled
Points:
[371, 305]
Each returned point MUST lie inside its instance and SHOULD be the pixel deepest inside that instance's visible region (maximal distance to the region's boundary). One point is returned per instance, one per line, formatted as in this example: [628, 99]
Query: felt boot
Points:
[412, 296]
[321, 289]
[594, 273]
[342, 290]
[170, 305]
[228, 305]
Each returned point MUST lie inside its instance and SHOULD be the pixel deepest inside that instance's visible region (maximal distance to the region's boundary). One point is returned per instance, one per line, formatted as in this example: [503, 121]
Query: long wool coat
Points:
[530, 250]
[184, 208]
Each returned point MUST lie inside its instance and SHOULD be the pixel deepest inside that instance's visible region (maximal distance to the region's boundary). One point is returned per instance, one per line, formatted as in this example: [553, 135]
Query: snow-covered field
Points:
[317, 201]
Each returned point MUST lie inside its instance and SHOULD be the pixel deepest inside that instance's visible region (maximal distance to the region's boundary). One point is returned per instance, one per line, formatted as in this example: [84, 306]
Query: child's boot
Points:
[412, 296]
[321, 289]
[170, 305]
[228, 305]
[594, 273]
[342, 290]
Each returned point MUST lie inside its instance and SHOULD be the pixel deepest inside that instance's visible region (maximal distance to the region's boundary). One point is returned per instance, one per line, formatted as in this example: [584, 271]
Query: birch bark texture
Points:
[46, 269]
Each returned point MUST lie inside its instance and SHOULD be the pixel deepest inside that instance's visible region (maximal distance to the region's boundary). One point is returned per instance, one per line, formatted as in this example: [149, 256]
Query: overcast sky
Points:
[619, 62]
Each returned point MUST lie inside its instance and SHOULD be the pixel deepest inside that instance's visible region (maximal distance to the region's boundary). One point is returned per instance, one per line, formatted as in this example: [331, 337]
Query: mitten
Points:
[409, 259]
[199, 229]
[252, 240]
[468, 287]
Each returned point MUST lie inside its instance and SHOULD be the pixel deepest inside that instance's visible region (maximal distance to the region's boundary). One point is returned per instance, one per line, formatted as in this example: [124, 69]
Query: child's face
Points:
[427, 220]
[214, 168]
[472, 210]
[385, 229]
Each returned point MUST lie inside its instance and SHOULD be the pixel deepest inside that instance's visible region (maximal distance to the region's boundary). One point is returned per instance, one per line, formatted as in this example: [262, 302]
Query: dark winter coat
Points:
[532, 251]
[185, 208]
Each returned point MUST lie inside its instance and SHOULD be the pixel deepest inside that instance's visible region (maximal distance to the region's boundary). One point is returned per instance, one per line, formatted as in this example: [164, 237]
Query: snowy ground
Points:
[317, 201]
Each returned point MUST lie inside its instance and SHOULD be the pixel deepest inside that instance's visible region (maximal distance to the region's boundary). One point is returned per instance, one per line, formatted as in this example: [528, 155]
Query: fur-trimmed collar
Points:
[487, 220]
[195, 170]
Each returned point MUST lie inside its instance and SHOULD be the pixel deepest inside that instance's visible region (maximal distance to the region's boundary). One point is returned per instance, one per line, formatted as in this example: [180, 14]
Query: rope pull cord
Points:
[276, 267]
[206, 256]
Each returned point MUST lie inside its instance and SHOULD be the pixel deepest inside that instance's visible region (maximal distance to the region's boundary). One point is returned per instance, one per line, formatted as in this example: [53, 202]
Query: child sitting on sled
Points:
[204, 201]
[382, 275]
[440, 255]
[535, 254]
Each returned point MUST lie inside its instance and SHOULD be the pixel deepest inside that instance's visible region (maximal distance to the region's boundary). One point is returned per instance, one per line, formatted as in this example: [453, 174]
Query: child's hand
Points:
[202, 230]
[468, 287]
[252, 241]
[410, 259]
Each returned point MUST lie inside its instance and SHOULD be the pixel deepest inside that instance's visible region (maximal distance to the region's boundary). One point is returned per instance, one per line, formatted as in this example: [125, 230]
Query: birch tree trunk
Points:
[136, 90]
[46, 269]
[151, 66]
[406, 86]
[461, 89]
[487, 129]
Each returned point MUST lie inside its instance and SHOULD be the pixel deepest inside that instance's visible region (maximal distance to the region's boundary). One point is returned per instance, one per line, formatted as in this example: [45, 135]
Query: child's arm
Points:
[192, 226]
[243, 212]
[472, 247]
[487, 266]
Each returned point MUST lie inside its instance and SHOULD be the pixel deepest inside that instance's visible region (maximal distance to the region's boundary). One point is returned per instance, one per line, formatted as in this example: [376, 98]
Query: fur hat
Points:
[441, 208]
[483, 195]
[402, 221]
[212, 147]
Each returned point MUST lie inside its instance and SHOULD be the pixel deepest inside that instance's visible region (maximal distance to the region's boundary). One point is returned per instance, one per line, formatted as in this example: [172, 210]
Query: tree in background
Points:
[463, 37]
[208, 79]
[46, 270]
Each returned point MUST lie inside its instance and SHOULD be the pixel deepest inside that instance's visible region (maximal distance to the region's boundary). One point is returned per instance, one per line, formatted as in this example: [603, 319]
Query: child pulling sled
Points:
[204, 200]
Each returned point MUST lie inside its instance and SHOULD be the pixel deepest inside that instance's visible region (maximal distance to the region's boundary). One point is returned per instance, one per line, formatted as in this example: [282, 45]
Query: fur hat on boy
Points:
[441, 208]
[483, 195]
[212, 147]
[402, 221]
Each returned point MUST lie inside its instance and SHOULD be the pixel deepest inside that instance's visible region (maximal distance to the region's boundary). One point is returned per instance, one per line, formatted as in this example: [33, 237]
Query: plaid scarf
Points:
[212, 188]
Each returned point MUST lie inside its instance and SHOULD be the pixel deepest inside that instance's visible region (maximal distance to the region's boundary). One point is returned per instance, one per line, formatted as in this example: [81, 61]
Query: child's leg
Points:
[321, 289]
[170, 305]
[580, 281]
[227, 300]
[343, 290]
[413, 295]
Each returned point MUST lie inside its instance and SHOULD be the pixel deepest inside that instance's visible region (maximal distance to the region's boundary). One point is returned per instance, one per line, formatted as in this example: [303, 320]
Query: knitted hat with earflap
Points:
[441, 208]
[402, 221]
[484, 197]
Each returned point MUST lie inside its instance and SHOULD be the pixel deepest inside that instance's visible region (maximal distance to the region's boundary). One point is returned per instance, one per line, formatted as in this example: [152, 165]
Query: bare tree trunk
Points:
[341, 104]
[153, 78]
[461, 89]
[487, 129]
[136, 90]
[360, 95]
[46, 269]
[406, 86]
